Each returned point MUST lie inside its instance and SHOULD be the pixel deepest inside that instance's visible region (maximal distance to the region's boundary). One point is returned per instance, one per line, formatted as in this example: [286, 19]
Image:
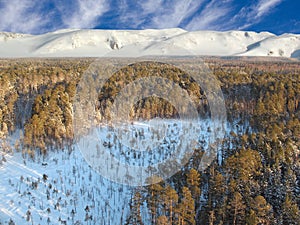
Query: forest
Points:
[257, 180]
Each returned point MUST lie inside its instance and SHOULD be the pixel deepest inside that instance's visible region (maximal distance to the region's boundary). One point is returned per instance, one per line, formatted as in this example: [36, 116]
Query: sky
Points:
[41, 16]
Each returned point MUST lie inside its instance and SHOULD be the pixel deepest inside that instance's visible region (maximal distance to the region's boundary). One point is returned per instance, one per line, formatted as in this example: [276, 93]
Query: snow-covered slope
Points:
[70, 187]
[59, 187]
[133, 43]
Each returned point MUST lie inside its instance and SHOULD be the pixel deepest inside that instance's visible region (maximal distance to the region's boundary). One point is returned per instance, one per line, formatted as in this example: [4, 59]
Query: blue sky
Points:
[40, 16]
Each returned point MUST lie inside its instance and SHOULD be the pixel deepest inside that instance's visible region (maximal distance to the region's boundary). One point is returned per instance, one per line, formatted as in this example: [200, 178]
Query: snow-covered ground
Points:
[59, 187]
[70, 187]
[134, 43]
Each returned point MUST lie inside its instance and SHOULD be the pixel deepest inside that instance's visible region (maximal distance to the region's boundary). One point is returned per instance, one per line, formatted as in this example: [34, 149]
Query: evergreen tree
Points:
[260, 212]
[290, 212]
[236, 209]
[162, 220]
[193, 183]
[186, 208]
[135, 217]
[170, 201]
[154, 200]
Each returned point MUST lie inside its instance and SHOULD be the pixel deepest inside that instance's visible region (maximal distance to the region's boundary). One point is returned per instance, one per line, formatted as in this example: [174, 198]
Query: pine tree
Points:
[193, 183]
[216, 196]
[236, 209]
[252, 218]
[290, 212]
[162, 220]
[169, 201]
[153, 200]
[261, 209]
[186, 208]
[135, 217]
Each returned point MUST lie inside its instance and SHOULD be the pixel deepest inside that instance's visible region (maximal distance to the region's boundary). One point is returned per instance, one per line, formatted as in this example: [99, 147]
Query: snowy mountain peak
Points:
[134, 43]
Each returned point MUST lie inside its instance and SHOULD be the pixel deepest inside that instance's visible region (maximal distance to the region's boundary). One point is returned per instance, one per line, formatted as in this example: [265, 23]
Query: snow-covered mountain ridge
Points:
[134, 43]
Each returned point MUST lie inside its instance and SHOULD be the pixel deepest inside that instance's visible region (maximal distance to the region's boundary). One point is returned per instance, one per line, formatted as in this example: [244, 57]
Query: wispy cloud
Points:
[212, 16]
[30, 16]
[35, 16]
[150, 7]
[84, 14]
[131, 16]
[219, 15]
[265, 6]
[157, 13]
[22, 16]
[254, 13]
[175, 14]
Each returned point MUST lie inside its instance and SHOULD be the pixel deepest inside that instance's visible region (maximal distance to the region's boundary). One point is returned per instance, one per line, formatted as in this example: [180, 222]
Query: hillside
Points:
[50, 171]
[134, 43]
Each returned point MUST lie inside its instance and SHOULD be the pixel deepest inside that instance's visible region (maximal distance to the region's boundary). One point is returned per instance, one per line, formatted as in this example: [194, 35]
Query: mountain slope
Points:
[133, 43]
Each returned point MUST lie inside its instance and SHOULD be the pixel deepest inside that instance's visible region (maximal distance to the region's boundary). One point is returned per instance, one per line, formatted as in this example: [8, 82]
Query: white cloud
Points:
[28, 15]
[254, 14]
[178, 11]
[157, 13]
[217, 15]
[213, 12]
[85, 14]
[130, 16]
[151, 6]
[265, 6]
[22, 16]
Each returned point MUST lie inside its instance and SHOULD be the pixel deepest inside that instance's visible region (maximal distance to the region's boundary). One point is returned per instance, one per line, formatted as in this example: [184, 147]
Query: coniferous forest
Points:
[254, 180]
